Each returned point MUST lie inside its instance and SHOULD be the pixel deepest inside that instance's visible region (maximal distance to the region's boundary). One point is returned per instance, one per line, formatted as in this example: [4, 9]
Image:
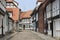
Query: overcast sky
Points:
[26, 4]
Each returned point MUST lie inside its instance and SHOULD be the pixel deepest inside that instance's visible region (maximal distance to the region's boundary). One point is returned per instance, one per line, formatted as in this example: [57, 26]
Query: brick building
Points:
[41, 12]
[48, 18]
[13, 12]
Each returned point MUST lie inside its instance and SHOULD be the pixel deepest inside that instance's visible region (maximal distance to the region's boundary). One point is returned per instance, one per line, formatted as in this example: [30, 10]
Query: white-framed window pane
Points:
[48, 14]
[8, 4]
[55, 13]
[11, 4]
[10, 14]
[37, 17]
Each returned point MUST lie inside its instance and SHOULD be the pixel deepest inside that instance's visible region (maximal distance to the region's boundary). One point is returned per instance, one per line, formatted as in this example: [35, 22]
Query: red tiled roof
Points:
[16, 14]
[25, 14]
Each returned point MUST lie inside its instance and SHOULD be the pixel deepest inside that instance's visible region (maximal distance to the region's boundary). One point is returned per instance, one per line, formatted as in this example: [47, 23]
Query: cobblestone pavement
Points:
[27, 35]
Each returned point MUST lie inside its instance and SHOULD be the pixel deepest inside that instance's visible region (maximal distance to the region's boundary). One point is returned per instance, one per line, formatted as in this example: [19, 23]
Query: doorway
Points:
[56, 28]
[23, 27]
[50, 28]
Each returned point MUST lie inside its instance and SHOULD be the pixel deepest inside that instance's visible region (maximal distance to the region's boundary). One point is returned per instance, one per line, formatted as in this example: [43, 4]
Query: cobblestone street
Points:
[27, 35]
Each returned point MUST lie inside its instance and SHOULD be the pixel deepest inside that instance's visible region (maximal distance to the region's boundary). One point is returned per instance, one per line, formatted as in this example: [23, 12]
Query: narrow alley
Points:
[29, 19]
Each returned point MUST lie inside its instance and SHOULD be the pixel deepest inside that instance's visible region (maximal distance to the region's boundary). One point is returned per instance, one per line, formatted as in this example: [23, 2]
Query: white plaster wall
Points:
[34, 25]
[56, 27]
[3, 2]
[1, 6]
[37, 17]
[48, 8]
[25, 21]
[5, 24]
[49, 30]
[1, 17]
[10, 26]
[55, 5]
[55, 8]
[0, 30]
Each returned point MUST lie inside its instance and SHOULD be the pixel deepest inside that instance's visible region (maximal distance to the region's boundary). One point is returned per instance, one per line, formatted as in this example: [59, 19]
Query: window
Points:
[20, 25]
[37, 17]
[48, 14]
[10, 14]
[7, 4]
[10, 5]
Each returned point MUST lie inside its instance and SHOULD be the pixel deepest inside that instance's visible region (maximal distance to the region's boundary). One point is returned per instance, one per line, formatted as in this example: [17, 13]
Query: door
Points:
[56, 28]
[50, 28]
[23, 27]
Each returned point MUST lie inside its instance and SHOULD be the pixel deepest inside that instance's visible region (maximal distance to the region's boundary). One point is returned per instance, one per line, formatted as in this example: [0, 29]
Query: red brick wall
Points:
[41, 21]
[41, 16]
[15, 11]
